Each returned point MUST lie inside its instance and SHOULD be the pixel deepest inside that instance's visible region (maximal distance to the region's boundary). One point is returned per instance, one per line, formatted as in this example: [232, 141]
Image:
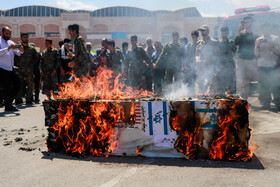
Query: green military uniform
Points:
[25, 64]
[50, 62]
[225, 68]
[171, 55]
[81, 57]
[136, 61]
[114, 61]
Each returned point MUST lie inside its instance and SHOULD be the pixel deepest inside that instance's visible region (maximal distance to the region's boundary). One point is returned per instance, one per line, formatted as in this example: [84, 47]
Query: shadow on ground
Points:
[178, 162]
[9, 114]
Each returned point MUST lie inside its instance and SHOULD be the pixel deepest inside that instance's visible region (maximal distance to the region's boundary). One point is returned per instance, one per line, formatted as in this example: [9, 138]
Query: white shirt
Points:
[7, 57]
[265, 57]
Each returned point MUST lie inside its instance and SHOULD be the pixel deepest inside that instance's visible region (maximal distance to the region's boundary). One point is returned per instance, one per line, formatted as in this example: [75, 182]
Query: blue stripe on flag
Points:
[165, 118]
[209, 126]
[193, 104]
[207, 110]
[150, 118]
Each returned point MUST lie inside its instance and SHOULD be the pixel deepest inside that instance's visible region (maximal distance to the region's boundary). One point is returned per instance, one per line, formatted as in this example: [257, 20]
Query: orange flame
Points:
[230, 125]
[86, 118]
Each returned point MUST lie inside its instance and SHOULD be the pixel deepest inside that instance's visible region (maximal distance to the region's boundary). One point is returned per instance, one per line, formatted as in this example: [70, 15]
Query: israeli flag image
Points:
[156, 116]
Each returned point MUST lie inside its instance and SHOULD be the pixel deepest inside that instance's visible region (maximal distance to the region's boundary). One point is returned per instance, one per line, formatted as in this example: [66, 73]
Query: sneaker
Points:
[11, 109]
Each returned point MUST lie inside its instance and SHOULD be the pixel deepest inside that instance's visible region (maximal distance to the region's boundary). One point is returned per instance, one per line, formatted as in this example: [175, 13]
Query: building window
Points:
[107, 12]
[52, 34]
[43, 11]
[20, 12]
[25, 11]
[52, 12]
[16, 12]
[29, 11]
[57, 12]
[11, 12]
[120, 11]
[34, 11]
[116, 11]
[48, 11]
[31, 34]
[102, 12]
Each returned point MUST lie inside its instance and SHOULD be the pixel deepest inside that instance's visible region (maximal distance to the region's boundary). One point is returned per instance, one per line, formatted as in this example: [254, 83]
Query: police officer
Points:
[172, 55]
[25, 64]
[81, 59]
[225, 68]
[50, 63]
[137, 61]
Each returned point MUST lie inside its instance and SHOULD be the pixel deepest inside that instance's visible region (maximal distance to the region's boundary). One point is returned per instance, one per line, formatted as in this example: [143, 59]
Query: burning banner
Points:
[106, 117]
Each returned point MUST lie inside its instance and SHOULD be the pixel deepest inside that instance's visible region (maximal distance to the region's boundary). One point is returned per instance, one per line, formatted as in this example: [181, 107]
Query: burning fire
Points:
[228, 143]
[102, 87]
[86, 119]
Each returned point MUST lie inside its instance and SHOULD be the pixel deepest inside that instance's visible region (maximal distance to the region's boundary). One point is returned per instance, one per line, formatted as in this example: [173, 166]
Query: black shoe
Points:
[18, 102]
[29, 102]
[11, 109]
[37, 101]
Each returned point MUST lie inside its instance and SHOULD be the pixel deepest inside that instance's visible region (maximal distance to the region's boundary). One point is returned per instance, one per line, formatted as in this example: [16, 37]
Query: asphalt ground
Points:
[24, 160]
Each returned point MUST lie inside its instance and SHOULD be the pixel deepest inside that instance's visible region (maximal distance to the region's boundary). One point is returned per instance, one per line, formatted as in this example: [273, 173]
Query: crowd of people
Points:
[204, 65]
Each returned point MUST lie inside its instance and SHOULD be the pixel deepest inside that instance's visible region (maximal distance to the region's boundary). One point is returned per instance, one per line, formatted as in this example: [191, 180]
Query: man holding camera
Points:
[8, 77]
[245, 63]
[25, 64]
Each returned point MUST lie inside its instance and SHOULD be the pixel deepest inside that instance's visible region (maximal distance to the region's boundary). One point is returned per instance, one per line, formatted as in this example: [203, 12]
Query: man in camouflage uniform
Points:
[25, 64]
[114, 58]
[81, 60]
[190, 62]
[225, 68]
[206, 60]
[172, 55]
[50, 62]
[137, 61]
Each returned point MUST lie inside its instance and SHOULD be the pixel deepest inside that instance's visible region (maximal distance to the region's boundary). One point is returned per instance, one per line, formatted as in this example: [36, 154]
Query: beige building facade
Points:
[117, 23]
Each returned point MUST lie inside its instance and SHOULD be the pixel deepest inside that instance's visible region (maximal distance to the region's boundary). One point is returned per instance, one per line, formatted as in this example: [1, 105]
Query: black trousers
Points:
[37, 78]
[11, 84]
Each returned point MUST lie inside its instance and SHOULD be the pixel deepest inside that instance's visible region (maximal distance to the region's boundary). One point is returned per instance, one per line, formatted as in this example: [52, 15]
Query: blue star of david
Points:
[214, 119]
[157, 118]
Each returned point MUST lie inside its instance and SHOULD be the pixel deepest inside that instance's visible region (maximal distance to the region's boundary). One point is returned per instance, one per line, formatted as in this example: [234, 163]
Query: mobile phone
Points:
[17, 46]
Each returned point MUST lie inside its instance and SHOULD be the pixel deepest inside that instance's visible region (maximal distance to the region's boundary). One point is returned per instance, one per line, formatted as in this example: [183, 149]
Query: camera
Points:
[17, 46]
